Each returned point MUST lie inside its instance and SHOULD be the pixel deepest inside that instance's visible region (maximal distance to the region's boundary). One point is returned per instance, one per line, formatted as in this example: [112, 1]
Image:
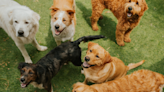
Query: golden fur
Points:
[127, 18]
[100, 67]
[139, 81]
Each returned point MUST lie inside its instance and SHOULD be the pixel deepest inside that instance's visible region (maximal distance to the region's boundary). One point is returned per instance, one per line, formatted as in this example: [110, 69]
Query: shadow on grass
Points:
[157, 67]
[108, 26]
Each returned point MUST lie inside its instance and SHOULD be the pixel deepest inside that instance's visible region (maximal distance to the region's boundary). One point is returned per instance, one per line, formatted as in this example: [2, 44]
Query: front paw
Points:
[95, 28]
[127, 39]
[121, 43]
[42, 48]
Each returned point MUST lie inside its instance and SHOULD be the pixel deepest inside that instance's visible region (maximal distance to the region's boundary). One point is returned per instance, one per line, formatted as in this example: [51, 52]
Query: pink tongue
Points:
[23, 85]
[85, 64]
[57, 32]
[129, 14]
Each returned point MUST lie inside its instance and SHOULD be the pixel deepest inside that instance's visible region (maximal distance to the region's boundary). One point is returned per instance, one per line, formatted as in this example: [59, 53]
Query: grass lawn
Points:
[147, 44]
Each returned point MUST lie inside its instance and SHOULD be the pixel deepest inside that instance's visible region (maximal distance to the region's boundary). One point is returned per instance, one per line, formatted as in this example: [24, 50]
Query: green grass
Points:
[147, 44]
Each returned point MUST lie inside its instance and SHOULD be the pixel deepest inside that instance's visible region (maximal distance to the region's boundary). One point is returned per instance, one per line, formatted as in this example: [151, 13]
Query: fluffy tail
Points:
[134, 65]
[88, 38]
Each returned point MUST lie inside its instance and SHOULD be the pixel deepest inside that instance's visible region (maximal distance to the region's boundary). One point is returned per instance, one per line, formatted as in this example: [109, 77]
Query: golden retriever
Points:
[99, 66]
[139, 81]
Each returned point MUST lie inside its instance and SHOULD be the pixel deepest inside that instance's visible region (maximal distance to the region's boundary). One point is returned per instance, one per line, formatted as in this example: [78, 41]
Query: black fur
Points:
[49, 65]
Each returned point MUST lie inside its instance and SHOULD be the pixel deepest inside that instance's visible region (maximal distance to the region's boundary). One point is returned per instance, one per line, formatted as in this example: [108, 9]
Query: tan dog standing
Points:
[63, 20]
[127, 12]
[139, 81]
[100, 67]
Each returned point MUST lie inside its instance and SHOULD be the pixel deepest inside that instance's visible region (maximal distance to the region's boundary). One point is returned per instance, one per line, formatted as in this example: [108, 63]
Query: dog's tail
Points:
[88, 38]
[134, 65]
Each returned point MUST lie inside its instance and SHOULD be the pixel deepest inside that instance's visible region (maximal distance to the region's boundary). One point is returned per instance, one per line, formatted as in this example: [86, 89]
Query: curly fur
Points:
[120, 9]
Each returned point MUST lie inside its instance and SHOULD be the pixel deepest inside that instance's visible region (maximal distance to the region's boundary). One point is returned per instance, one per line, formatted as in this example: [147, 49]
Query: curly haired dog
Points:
[100, 67]
[127, 12]
[139, 81]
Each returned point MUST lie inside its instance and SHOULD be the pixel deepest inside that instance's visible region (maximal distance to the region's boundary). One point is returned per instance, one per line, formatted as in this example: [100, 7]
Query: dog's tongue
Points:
[129, 14]
[57, 32]
[85, 64]
[23, 85]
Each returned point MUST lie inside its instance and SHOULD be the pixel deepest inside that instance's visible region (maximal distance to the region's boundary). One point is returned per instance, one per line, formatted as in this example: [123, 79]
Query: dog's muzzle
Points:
[20, 33]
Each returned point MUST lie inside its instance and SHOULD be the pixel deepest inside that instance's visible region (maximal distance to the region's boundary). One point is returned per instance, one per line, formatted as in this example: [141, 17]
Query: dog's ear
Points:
[21, 65]
[53, 10]
[71, 13]
[145, 7]
[40, 74]
[35, 18]
[107, 57]
[10, 17]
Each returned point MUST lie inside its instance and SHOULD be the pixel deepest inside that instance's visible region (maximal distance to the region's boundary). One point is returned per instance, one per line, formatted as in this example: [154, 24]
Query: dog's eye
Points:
[26, 22]
[137, 3]
[30, 72]
[22, 71]
[64, 20]
[16, 21]
[90, 50]
[97, 56]
[129, 0]
[74, 91]
[55, 18]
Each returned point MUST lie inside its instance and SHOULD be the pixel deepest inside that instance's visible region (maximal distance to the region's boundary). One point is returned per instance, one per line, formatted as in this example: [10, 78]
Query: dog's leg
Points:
[85, 81]
[24, 52]
[127, 35]
[119, 37]
[57, 42]
[39, 47]
[48, 87]
[97, 9]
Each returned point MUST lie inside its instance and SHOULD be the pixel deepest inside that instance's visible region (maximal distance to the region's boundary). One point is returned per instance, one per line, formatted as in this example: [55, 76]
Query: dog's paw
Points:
[42, 48]
[28, 61]
[95, 28]
[127, 39]
[121, 43]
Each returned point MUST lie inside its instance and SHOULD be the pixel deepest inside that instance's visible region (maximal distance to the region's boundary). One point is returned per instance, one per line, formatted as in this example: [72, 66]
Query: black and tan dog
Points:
[41, 73]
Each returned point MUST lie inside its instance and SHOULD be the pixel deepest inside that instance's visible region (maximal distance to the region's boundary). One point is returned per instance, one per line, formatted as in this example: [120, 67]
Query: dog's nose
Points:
[87, 58]
[20, 32]
[57, 26]
[22, 79]
[129, 8]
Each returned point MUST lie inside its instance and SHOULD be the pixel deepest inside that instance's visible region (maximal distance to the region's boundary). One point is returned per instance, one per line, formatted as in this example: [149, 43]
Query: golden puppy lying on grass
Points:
[139, 81]
[100, 67]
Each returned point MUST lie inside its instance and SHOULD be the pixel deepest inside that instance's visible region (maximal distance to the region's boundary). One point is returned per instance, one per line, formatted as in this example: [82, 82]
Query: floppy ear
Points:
[144, 5]
[53, 10]
[71, 13]
[21, 65]
[90, 44]
[10, 18]
[35, 18]
[40, 74]
[107, 57]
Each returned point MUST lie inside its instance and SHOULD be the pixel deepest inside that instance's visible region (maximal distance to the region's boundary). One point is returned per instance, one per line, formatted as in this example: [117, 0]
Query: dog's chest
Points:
[40, 86]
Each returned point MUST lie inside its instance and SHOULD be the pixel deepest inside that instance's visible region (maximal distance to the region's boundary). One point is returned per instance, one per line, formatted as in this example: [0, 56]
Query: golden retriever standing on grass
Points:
[139, 81]
[127, 12]
[100, 67]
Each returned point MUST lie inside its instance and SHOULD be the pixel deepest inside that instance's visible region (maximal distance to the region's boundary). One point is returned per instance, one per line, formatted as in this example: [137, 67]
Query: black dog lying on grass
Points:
[41, 73]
